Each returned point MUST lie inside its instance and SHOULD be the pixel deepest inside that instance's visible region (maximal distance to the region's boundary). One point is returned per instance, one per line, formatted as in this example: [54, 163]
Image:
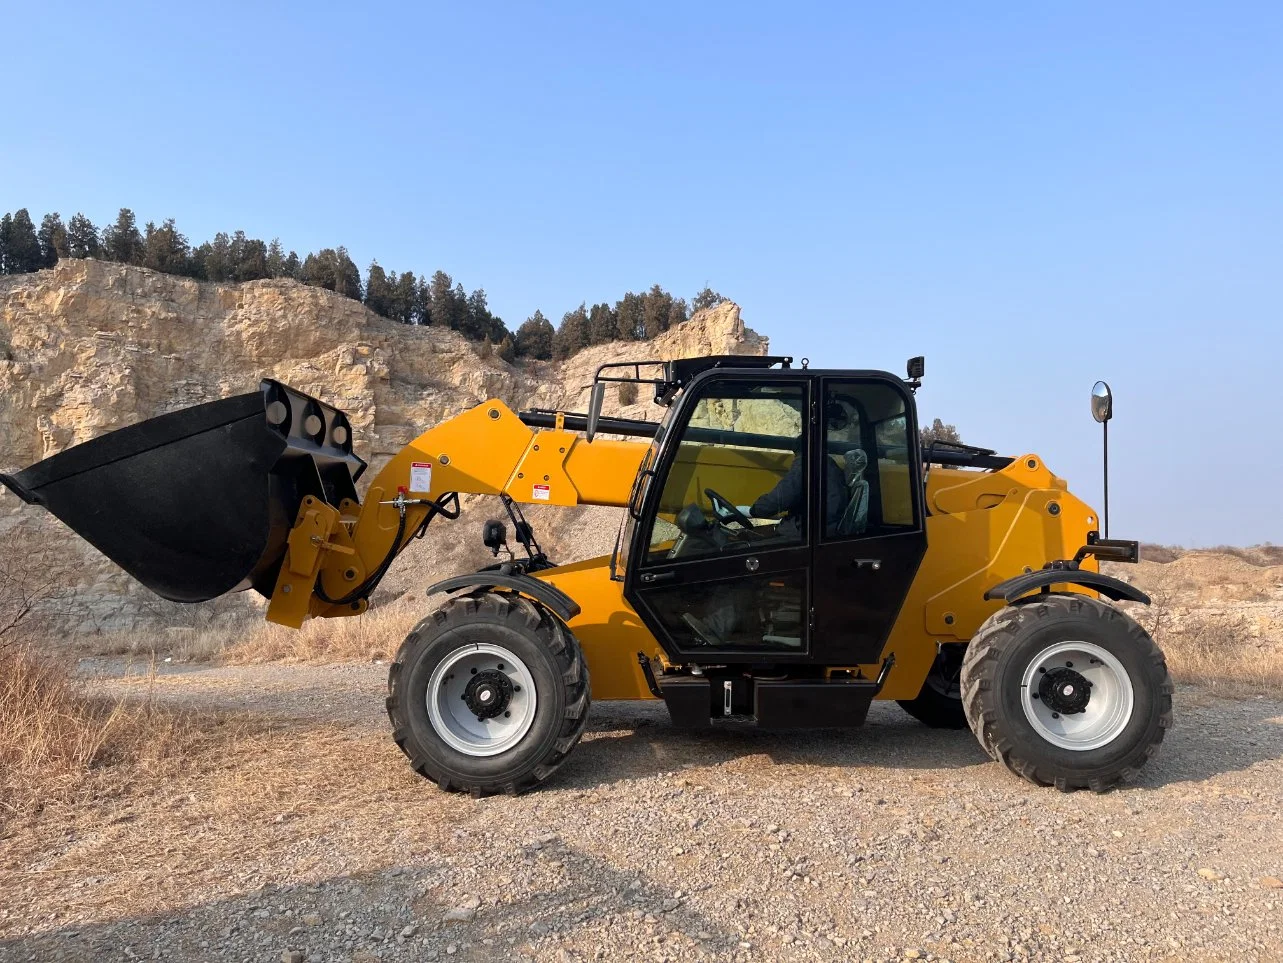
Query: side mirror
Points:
[494, 535]
[1102, 402]
[594, 407]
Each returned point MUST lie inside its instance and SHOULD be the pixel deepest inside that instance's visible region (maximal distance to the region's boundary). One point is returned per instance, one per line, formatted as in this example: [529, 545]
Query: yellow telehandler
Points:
[788, 554]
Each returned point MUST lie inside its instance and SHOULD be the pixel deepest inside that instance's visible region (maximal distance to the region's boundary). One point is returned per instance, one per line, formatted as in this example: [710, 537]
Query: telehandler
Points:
[788, 554]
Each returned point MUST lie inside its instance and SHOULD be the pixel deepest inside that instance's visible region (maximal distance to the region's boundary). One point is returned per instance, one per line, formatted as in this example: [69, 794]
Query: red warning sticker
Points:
[542, 493]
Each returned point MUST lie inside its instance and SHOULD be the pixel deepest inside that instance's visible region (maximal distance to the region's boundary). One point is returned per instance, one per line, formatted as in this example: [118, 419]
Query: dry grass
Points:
[375, 635]
[56, 740]
[1264, 555]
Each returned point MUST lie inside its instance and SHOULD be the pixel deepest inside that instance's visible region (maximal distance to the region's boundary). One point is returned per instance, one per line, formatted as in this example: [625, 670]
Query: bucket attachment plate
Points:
[200, 502]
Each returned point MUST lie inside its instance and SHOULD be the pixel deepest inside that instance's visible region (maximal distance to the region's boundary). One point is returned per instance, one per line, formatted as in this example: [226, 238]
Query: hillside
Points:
[90, 346]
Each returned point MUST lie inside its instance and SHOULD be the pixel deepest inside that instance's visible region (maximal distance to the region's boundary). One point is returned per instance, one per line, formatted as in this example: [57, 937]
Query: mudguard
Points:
[1016, 588]
[561, 604]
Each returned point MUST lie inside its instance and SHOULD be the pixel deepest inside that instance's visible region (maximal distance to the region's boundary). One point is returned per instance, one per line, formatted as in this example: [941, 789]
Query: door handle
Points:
[873, 563]
[650, 578]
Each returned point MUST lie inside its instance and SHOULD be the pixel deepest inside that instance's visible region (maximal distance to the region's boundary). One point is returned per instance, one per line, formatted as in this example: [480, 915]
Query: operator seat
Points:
[855, 517]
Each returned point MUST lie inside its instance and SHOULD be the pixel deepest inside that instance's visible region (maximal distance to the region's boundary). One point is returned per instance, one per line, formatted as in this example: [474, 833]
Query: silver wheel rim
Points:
[455, 717]
[1110, 698]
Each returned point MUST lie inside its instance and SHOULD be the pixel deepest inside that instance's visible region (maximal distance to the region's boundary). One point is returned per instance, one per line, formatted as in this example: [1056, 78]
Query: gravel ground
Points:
[891, 842]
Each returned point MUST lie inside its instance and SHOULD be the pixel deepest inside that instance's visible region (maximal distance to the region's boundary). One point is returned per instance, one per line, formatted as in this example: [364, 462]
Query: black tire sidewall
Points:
[1130, 747]
[512, 765]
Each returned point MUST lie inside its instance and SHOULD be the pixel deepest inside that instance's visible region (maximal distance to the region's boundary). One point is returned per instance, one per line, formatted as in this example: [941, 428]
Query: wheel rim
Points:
[1077, 696]
[481, 699]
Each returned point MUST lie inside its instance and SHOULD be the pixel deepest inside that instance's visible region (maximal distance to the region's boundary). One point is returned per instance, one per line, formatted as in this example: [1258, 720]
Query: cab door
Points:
[715, 580]
[870, 496]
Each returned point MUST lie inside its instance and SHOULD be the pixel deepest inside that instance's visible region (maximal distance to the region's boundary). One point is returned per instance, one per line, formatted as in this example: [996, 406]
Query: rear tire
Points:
[1067, 691]
[939, 704]
[488, 694]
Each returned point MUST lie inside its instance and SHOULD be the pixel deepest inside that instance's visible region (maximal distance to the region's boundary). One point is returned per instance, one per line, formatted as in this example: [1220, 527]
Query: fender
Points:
[561, 604]
[1016, 588]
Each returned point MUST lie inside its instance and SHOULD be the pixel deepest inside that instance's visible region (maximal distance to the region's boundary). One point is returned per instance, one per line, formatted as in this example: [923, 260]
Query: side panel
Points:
[999, 524]
[609, 629]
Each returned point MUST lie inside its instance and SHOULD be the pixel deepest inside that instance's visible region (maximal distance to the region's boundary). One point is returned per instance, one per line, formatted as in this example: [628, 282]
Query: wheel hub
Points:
[1064, 690]
[488, 694]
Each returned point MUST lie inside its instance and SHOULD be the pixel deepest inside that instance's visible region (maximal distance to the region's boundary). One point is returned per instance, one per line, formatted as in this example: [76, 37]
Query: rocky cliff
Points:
[90, 346]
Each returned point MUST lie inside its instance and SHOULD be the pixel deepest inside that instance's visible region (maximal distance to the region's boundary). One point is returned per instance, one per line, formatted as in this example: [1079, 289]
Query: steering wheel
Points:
[726, 511]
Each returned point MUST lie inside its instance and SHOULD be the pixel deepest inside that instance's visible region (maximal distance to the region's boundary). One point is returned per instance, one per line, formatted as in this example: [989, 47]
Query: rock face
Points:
[89, 346]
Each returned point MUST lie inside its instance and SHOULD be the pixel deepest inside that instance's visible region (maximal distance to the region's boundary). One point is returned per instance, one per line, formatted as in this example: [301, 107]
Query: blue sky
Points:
[1034, 196]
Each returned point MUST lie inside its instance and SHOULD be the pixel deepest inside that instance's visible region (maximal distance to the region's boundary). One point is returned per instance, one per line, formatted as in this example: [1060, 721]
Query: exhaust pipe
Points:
[199, 503]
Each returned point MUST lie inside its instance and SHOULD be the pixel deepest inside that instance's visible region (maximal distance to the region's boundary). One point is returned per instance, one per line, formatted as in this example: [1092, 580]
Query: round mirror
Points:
[1102, 402]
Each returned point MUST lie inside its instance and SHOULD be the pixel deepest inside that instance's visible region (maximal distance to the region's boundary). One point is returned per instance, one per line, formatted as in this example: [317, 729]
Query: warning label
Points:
[421, 476]
[542, 493]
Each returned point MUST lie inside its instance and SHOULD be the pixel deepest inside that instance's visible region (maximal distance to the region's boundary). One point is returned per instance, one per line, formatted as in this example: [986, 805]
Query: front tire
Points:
[1067, 691]
[488, 694]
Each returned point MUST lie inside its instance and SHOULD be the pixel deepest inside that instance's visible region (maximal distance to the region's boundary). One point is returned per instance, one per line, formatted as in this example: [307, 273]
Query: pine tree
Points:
[628, 317]
[82, 237]
[121, 241]
[53, 240]
[441, 299]
[292, 267]
[676, 312]
[21, 244]
[655, 308]
[507, 350]
[216, 258]
[708, 298]
[404, 298]
[378, 292]
[535, 337]
[572, 335]
[6, 229]
[164, 249]
[601, 324]
[275, 258]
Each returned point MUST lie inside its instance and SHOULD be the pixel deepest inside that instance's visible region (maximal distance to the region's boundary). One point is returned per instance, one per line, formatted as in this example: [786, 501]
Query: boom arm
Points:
[486, 450]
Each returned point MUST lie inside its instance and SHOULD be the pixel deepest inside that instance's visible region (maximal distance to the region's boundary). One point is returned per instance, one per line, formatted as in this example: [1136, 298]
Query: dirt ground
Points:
[297, 828]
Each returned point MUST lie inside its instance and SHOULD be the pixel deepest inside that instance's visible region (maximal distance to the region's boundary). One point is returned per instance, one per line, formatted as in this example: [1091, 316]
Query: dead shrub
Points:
[54, 737]
[1216, 650]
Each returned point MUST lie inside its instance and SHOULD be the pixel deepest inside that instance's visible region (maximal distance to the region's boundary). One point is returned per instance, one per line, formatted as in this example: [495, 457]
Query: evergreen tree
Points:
[53, 240]
[405, 299]
[164, 249]
[601, 324]
[292, 268]
[507, 350]
[572, 335]
[20, 244]
[655, 308]
[708, 298]
[378, 292]
[275, 259]
[82, 237]
[676, 312]
[628, 317]
[535, 337]
[121, 241]
[939, 431]
[215, 258]
[441, 299]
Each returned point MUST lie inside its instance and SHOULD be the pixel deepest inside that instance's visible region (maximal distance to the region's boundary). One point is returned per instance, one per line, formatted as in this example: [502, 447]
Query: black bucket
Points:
[198, 503]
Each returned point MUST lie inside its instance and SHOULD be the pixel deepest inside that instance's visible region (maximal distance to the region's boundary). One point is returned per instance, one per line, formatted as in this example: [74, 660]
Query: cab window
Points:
[738, 479]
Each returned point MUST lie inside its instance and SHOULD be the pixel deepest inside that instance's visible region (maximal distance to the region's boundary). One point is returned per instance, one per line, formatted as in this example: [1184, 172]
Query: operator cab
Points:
[778, 516]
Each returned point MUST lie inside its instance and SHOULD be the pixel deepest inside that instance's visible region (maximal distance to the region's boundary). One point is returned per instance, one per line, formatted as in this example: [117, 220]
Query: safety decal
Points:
[542, 493]
[420, 476]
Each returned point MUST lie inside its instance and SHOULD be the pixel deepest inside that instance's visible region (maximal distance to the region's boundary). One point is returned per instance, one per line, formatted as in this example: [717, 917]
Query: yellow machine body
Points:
[982, 527]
